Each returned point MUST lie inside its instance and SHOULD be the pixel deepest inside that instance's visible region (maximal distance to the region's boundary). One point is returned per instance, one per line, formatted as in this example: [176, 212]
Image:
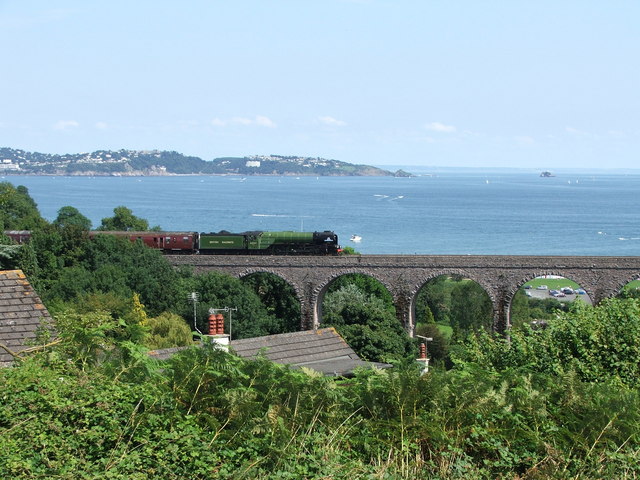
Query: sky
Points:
[455, 83]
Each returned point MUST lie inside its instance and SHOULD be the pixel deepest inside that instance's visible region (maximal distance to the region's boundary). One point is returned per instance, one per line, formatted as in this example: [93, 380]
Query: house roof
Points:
[323, 350]
[21, 312]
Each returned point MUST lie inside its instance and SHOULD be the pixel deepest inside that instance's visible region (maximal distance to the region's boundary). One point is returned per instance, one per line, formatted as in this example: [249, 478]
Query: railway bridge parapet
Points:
[404, 275]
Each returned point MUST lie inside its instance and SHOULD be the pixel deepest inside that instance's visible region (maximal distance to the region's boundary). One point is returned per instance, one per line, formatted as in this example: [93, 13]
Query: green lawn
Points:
[553, 283]
[557, 283]
[634, 285]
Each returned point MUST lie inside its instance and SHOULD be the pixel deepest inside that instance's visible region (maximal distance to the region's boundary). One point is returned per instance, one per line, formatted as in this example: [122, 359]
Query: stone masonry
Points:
[403, 275]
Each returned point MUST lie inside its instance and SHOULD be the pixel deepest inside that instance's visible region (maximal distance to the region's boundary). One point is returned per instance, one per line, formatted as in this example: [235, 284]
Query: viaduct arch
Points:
[403, 275]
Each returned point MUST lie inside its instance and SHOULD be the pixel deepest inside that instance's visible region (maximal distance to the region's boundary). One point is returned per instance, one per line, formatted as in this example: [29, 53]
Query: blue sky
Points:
[532, 84]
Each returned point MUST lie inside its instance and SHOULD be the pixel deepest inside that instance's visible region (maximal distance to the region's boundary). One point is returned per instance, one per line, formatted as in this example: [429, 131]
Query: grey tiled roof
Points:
[21, 312]
[323, 350]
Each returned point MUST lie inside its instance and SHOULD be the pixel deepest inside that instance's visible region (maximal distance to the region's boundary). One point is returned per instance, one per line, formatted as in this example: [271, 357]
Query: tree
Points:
[593, 342]
[435, 296]
[366, 284]
[525, 309]
[166, 331]
[124, 267]
[124, 220]
[471, 307]
[217, 290]
[18, 211]
[279, 298]
[366, 324]
[71, 216]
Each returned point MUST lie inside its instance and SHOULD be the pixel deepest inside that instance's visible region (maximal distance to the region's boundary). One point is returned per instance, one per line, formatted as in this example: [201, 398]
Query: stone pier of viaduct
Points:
[404, 275]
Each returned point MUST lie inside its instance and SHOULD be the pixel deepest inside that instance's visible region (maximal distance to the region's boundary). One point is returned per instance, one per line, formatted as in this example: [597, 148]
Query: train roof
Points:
[145, 232]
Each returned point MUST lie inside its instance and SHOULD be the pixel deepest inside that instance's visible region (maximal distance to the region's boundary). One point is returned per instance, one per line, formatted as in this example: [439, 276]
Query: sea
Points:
[449, 212]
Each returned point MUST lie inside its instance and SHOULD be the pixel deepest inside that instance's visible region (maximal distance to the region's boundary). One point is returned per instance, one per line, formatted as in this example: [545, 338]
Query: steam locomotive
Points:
[224, 243]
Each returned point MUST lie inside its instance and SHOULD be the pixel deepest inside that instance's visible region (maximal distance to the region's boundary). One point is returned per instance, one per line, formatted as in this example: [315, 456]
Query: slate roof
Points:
[21, 312]
[323, 350]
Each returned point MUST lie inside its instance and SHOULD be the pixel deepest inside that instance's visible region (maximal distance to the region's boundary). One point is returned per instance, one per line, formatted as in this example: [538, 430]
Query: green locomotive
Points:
[269, 243]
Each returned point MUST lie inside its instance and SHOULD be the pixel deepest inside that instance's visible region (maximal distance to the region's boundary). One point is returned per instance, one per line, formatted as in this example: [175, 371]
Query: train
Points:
[257, 242]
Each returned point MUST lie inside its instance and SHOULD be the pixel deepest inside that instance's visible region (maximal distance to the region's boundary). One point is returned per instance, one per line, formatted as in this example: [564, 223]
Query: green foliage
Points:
[594, 342]
[366, 284]
[631, 290]
[367, 324]
[525, 310]
[435, 298]
[279, 299]
[18, 211]
[123, 267]
[71, 216]
[95, 407]
[471, 308]
[167, 330]
[217, 290]
[124, 220]
[9, 256]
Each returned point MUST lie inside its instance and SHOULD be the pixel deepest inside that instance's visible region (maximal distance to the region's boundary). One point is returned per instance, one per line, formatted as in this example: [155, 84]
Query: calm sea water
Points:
[451, 213]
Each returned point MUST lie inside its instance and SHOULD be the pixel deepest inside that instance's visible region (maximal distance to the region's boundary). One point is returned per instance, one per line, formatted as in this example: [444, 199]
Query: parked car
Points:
[567, 290]
[581, 291]
[527, 286]
[553, 292]
[542, 287]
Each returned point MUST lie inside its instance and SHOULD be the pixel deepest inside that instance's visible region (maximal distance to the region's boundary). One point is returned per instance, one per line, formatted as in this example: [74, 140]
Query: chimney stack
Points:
[219, 324]
[216, 330]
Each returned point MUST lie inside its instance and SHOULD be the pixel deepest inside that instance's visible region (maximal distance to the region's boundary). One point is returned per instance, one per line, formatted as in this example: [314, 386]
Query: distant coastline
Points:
[155, 163]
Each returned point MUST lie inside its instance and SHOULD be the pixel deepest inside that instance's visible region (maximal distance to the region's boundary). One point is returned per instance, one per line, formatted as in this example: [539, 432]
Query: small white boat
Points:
[356, 238]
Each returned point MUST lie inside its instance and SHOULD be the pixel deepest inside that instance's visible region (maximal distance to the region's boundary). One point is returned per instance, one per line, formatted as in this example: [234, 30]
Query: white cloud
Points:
[101, 125]
[65, 125]
[258, 120]
[241, 121]
[525, 140]
[332, 122]
[440, 127]
[264, 122]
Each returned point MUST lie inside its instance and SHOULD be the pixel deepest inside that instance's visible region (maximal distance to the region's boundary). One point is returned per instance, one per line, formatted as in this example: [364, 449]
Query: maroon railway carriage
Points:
[18, 236]
[168, 242]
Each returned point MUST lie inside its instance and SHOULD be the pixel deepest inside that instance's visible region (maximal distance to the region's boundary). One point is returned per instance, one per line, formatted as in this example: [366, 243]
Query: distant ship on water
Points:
[547, 174]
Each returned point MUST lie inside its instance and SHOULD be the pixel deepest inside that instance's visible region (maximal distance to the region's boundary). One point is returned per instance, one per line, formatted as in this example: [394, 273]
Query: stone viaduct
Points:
[403, 275]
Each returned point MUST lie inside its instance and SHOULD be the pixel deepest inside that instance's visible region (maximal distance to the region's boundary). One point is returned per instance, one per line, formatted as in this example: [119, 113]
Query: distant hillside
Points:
[154, 162]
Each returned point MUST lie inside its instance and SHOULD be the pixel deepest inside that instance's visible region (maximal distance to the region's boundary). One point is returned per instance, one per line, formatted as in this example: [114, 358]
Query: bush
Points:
[166, 331]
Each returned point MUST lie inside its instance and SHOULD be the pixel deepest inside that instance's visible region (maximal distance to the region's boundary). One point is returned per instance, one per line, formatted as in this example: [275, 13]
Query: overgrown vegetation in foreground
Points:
[562, 402]
[556, 403]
